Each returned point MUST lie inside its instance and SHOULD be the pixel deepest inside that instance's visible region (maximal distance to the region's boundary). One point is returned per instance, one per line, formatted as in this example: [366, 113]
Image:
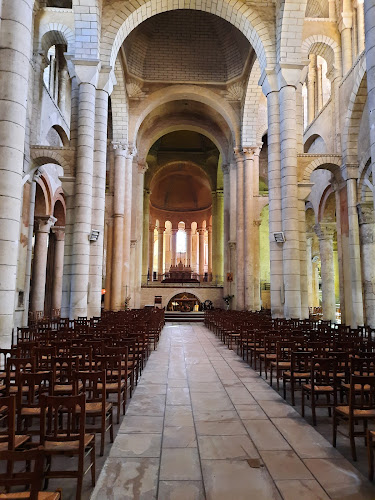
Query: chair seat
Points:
[66, 388]
[344, 410]
[281, 364]
[19, 441]
[26, 411]
[357, 387]
[111, 386]
[67, 446]
[297, 374]
[319, 388]
[95, 408]
[42, 495]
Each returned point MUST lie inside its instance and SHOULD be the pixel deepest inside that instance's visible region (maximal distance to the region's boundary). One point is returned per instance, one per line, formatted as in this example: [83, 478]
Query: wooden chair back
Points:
[8, 420]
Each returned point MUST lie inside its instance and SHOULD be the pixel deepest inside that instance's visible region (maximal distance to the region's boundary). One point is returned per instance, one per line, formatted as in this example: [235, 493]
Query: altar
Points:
[180, 274]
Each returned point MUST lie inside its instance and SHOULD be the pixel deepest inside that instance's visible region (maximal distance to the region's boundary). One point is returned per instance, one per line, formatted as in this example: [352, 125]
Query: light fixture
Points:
[279, 237]
[94, 235]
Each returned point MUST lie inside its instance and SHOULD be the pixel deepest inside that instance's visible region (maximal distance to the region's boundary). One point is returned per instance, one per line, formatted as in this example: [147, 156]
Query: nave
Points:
[203, 425]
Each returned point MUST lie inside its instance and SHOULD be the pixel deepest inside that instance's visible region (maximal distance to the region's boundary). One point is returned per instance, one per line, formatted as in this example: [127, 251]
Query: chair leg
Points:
[370, 456]
[303, 402]
[352, 440]
[111, 426]
[313, 408]
[334, 429]
[93, 458]
[292, 391]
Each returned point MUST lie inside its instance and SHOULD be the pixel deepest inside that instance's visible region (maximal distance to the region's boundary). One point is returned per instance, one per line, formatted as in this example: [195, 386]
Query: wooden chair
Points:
[62, 432]
[300, 369]
[28, 405]
[361, 408]
[32, 477]
[282, 362]
[9, 440]
[64, 368]
[370, 453]
[323, 383]
[96, 405]
[44, 357]
[15, 366]
[116, 383]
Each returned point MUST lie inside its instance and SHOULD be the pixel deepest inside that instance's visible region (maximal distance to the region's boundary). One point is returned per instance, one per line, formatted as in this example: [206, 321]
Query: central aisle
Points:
[203, 424]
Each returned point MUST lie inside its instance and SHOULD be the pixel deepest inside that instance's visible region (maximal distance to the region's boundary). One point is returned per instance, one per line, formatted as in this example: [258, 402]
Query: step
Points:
[184, 317]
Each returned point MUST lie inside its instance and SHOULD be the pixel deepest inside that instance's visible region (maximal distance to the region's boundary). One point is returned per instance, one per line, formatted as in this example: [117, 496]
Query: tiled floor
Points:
[204, 425]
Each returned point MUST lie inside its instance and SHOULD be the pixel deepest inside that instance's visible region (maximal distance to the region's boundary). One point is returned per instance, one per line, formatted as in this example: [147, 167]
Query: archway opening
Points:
[184, 302]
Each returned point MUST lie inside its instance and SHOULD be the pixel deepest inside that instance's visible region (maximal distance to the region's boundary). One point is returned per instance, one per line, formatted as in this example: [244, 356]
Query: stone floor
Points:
[202, 424]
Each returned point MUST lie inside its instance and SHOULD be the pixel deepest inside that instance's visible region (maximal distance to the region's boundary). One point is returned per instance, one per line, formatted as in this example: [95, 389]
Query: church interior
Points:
[187, 249]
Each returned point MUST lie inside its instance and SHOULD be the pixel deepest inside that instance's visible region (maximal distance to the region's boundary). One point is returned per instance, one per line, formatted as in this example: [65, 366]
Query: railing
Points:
[196, 280]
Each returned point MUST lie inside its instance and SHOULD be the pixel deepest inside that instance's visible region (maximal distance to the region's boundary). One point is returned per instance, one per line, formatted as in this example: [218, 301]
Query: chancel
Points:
[187, 249]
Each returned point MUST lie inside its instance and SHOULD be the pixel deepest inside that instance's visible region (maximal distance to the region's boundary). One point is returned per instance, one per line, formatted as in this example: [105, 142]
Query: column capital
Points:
[133, 243]
[366, 213]
[249, 152]
[209, 229]
[85, 70]
[107, 79]
[232, 245]
[188, 230]
[147, 191]
[238, 154]
[151, 227]
[68, 184]
[40, 59]
[257, 222]
[350, 171]
[174, 230]
[59, 232]
[161, 229]
[220, 193]
[201, 230]
[325, 230]
[44, 223]
[225, 169]
[142, 167]
[120, 147]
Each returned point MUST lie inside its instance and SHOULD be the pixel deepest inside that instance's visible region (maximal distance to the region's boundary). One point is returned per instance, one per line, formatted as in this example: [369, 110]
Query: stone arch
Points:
[325, 47]
[324, 208]
[186, 290]
[354, 115]
[365, 181]
[251, 106]
[56, 34]
[62, 133]
[331, 163]
[310, 140]
[59, 208]
[43, 156]
[46, 189]
[187, 92]
[125, 18]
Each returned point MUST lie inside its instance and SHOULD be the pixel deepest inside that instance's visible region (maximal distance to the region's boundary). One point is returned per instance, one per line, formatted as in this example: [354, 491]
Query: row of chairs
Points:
[334, 368]
[60, 382]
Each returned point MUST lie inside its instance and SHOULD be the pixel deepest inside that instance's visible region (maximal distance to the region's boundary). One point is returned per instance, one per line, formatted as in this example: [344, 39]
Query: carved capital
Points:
[59, 232]
[257, 223]
[225, 169]
[238, 154]
[249, 152]
[43, 224]
[232, 245]
[366, 213]
[325, 230]
[142, 167]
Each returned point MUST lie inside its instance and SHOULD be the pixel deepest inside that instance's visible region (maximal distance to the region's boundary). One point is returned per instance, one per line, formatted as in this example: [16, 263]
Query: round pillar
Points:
[151, 242]
[188, 246]
[201, 233]
[209, 267]
[58, 268]
[42, 229]
[160, 252]
[240, 233]
[174, 247]
[325, 232]
[367, 239]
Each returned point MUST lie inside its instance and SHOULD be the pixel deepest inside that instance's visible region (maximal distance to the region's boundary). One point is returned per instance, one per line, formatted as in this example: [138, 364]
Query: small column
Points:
[248, 228]
[108, 270]
[309, 239]
[240, 234]
[369, 8]
[346, 41]
[160, 251]
[174, 247]
[367, 239]
[256, 247]
[226, 183]
[68, 187]
[188, 246]
[146, 239]
[151, 242]
[360, 26]
[218, 240]
[194, 252]
[354, 249]
[319, 84]
[325, 232]
[311, 82]
[130, 152]
[42, 229]
[58, 267]
[201, 232]
[210, 277]
[118, 226]
[332, 9]
[62, 81]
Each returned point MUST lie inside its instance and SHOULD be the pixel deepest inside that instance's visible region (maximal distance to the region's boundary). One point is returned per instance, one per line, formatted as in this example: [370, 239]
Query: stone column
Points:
[210, 277]
[174, 247]
[194, 252]
[218, 240]
[201, 233]
[289, 193]
[68, 187]
[354, 251]
[146, 239]
[160, 251]
[42, 229]
[311, 82]
[325, 232]
[240, 233]
[140, 228]
[346, 41]
[118, 226]
[256, 246]
[367, 238]
[130, 152]
[105, 87]
[63, 80]
[226, 176]
[360, 26]
[309, 240]
[369, 14]
[248, 228]
[108, 274]
[87, 75]
[304, 190]
[15, 52]
[332, 9]
[319, 84]
[58, 267]
[188, 246]
[151, 241]
[270, 90]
